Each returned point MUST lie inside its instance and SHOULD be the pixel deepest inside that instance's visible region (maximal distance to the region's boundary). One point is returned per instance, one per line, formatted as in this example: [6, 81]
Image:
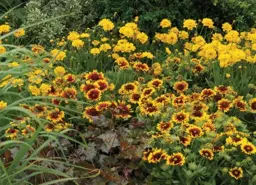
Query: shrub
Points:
[77, 11]
[152, 11]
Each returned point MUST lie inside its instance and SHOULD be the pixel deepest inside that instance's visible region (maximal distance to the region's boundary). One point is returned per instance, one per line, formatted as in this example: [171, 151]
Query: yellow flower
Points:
[142, 37]
[106, 24]
[5, 28]
[73, 36]
[19, 33]
[95, 42]
[58, 54]
[226, 27]
[224, 60]
[36, 48]
[168, 51]
[18, 82]
[34, 90]
[136, 19]
[95, 51]
[104, 39]
[61, 43]
[111, 87]
[2, 49]
[157, 69]
[2, 105]
[228, 75]
[45, 88]
[77, 43]
[217, 37]
[127, 31]
[183, 35]
[59, 71]
[165, 23]
[232, 36]
[208, 22]
[85, 35]
[105, 47]
[13, 64]
[190, 24]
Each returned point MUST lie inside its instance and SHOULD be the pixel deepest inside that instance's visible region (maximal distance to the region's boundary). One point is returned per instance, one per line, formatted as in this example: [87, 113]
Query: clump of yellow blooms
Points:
[131, 30]
[124, 46]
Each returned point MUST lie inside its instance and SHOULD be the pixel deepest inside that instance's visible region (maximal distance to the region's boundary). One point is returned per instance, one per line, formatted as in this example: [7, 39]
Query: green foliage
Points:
[152, 11]
[16, 17]
[40, 10]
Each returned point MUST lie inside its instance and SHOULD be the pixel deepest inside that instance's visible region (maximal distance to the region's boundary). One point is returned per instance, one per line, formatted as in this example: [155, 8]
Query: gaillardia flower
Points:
[93, 94]
[248, 148]
[156, 156]
[236, 172]
[181, 86]
[176, 159]
[55, 115]
[207, 153]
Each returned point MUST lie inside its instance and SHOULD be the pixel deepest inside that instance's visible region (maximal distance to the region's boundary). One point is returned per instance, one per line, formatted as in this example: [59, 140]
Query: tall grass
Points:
[22, 161]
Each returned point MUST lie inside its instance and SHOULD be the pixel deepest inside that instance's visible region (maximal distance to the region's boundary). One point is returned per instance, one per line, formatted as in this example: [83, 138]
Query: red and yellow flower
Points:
[94, 76]
[90, 112]
[236, 172]
[248, 148]
[207, 153]
[224, 105]
[55, 115]
[194, 131]
[176, 159]
[181, 86]
[101, 106]
[252, 104]
[164, 126]
[93, 94]
[180, 117]
[156, 156]
[185, 140]
[11, 133]
[155, 83]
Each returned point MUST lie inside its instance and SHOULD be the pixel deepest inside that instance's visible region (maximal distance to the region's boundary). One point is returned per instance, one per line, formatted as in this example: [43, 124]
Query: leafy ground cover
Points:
[112, 105]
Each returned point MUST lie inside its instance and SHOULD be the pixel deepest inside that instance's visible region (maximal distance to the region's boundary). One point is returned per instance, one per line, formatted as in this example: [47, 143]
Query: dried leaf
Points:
[110, 140]
[90, 151]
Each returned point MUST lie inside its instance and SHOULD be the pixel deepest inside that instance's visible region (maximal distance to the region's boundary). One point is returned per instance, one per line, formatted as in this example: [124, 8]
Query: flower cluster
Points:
[198, 122]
